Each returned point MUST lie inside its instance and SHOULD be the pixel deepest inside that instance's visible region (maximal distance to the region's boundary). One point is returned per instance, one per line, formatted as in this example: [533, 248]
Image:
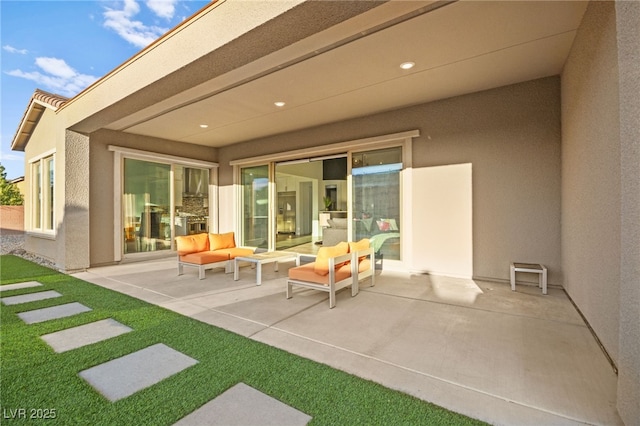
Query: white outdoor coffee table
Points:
[260, 259]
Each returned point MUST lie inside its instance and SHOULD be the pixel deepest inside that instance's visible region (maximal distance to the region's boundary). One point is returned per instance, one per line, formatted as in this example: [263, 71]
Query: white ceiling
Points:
[460, 48]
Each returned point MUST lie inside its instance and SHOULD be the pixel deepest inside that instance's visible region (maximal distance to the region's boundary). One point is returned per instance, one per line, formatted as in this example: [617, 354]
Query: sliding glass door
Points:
[255, 206]
[376, 199]
[151, 214]
[146, 206]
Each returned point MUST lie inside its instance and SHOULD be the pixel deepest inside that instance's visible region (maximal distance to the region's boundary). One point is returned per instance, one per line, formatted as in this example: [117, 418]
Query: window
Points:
[42, 181]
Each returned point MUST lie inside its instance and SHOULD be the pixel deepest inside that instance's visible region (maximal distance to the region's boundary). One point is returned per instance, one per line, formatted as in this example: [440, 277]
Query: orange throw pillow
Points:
[221, 241]
[187, 244]
[363, 244]
[321, 266]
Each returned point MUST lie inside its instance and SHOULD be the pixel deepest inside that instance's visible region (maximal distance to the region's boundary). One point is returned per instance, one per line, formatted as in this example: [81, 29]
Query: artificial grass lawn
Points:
[34, 377]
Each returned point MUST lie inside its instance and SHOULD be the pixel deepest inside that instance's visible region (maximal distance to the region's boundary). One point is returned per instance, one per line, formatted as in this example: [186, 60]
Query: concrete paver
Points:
[243, 405]
[17, 286]
[124, 376]
[31, 297]
[76, 337]
[54, 312]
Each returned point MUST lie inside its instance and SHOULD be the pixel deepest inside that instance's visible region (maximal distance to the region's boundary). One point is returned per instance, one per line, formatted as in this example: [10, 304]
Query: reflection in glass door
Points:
[191, 199]
[255, 206]
[146, 206]
[376, 199]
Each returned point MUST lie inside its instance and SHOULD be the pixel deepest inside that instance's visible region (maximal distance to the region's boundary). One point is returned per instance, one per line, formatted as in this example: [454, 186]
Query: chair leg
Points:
[289, 290]
[513, 278]
[201, 272]
[180, 269]
[332, 295]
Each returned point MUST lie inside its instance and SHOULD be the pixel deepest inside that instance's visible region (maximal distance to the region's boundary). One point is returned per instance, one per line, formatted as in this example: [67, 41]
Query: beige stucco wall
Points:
[591, 173]
[510, 136]
[102, 177]
[73, 238]
[628, 38]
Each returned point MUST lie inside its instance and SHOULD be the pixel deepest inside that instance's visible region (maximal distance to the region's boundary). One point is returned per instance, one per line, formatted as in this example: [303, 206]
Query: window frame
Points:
[42, 208]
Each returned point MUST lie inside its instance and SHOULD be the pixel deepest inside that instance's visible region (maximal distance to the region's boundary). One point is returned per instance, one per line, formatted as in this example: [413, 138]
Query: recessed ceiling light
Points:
[407, 65]
[204, 126]
[279, 104]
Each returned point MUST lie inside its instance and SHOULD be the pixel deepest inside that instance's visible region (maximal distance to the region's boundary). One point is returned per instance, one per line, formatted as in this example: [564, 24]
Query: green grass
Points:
[33, 376]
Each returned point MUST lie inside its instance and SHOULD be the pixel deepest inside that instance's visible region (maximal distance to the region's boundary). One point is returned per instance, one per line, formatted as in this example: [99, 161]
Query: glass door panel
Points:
[146, 206]
[376, 199]
[191, 198]
[255, 206]
[297, 203]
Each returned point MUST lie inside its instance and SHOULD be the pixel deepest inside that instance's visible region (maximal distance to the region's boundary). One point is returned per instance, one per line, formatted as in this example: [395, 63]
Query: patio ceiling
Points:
[353, 69]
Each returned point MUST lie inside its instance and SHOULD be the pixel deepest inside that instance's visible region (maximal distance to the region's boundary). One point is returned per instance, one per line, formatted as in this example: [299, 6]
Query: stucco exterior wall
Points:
[102, 178]
[591, 173]
[45, 139]
[510, 136]
[628, 22]
[73, 238]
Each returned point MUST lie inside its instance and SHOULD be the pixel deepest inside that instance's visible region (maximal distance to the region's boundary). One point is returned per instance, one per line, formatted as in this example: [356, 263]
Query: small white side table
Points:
[260, 259]
[534, 268]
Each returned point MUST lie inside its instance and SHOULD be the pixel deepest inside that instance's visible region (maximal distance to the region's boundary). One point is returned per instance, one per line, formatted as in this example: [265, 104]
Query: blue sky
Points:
[64, 46]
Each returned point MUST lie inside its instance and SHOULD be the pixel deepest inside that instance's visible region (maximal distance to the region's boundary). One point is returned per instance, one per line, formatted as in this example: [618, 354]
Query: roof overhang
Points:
[40, 100]
[329, 61]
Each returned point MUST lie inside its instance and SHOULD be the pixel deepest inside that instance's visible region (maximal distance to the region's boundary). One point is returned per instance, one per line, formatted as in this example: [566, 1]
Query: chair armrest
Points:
[338, 259]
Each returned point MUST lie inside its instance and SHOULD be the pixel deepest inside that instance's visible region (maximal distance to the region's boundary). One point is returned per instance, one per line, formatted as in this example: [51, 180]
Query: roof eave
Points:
[40, 100]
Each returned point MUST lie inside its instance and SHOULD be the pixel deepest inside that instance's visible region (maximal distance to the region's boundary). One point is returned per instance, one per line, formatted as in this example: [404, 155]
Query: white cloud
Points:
[135, 32]
[10, 157]
[12, 49]
[56, 67]
[56, 76]
[163, 8]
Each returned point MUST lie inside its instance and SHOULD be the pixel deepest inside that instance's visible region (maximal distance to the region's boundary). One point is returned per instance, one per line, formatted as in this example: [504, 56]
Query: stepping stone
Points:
[124, 376]
[54, 312]
[244, 405]
[76, 337]
[31, 297]
[16, 286]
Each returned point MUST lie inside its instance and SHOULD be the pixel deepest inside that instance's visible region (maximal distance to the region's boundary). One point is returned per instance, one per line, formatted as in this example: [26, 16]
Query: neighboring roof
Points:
[39, 101]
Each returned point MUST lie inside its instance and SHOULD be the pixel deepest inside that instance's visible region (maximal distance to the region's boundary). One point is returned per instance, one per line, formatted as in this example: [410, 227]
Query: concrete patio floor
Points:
[513, 358]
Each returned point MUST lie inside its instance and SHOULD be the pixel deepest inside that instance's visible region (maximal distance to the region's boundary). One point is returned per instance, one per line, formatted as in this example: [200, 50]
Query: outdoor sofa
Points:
[209, 251]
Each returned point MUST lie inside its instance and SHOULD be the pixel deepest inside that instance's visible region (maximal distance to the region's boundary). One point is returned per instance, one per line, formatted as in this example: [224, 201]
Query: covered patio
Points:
[471, 346]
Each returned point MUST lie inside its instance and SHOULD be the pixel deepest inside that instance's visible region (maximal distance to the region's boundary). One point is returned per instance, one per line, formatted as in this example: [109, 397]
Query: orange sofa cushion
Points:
[364, 265]
[363, 244]
[235, 252]
[186, 244]
[221, 241]
[307, 273]
[321, 265]
[204, 257]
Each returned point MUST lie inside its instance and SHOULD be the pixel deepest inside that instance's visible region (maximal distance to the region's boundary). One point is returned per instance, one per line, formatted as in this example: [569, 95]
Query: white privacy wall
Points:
[442, 234]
